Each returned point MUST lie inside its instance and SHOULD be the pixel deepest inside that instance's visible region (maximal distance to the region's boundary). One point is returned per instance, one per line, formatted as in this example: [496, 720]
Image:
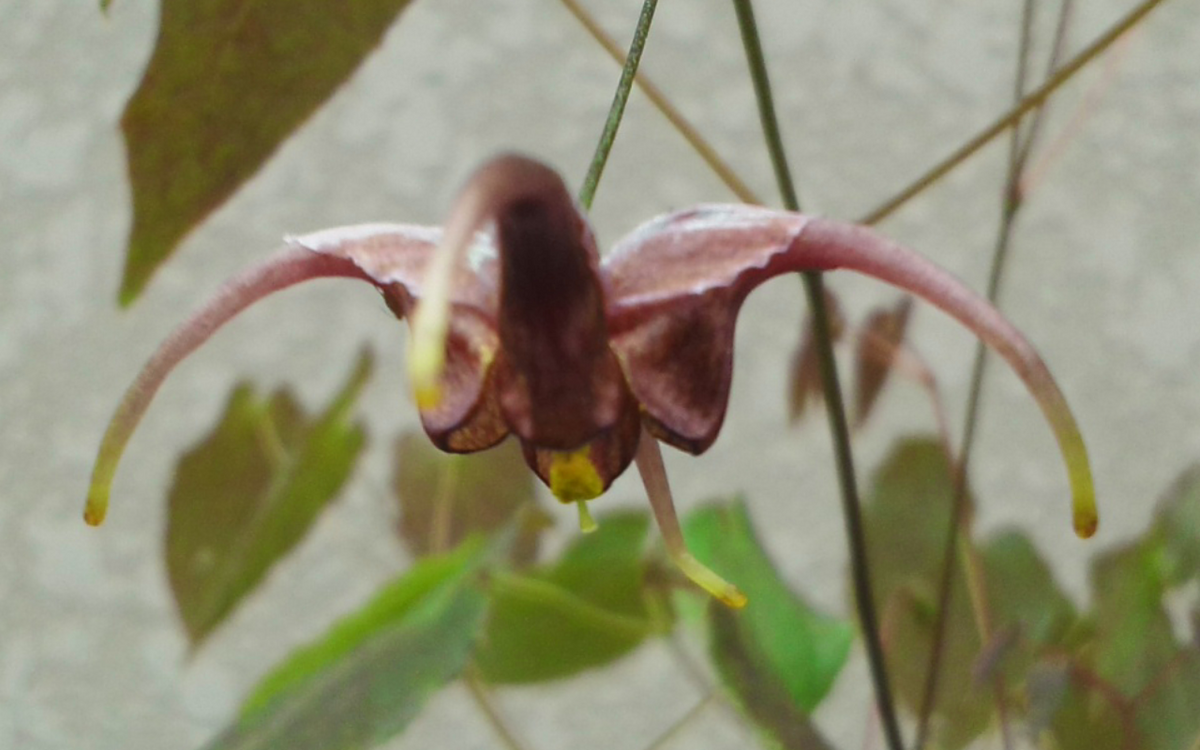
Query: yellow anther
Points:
[573, 476]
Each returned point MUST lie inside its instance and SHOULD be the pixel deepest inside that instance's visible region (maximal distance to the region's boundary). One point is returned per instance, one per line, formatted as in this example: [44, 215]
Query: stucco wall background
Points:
[1103, 278]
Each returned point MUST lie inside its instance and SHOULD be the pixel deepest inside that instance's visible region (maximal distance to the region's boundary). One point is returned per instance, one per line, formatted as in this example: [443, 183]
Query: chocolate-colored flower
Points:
[520, 328]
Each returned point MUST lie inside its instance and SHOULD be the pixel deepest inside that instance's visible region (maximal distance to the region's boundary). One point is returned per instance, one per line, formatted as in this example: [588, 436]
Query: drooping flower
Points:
[520, 328]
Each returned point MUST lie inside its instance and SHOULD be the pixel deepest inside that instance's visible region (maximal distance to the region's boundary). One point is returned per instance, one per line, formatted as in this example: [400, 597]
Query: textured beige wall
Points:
[1104, 279]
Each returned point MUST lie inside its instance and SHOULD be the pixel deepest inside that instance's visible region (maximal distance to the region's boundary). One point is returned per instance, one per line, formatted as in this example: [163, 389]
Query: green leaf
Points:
[248, 493]
[585, 611]
[757, 685]
[229, 80]
[1134, 638]
[1178, 525]
[804, 649]
[1084, 717]
[1168, 713]
[1027, 607]
[366, 679]
[906, 520]
[445, 497]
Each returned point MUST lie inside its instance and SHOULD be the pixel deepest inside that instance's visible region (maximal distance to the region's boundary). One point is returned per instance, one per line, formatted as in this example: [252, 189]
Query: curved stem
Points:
[835, 406]
[615, 112]
[829, 245]
[289, 267]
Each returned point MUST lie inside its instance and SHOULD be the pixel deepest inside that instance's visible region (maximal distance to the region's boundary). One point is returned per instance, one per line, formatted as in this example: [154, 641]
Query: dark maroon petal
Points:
[395, 257]
[675, 287]
[559, 383]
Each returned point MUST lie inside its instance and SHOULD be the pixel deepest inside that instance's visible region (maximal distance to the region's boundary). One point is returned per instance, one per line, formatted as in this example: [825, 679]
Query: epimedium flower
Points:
[519, 327]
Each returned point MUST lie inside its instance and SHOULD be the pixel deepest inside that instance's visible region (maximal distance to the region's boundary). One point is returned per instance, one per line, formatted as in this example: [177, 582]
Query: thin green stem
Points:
[721, 168]
[836, 410]
[766, 106]
[1059, 45]
[615, 112]
[1005, 121]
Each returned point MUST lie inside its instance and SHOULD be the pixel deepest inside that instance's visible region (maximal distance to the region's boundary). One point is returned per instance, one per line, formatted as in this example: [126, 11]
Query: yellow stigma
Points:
[587, 524]
[573, 476]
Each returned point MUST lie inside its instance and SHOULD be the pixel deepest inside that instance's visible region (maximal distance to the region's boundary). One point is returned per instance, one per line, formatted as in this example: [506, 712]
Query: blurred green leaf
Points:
[782, 634]
[1135, 650]
[445, 497]
[1026, 606]
[248, 493]
[584, 611]
[1178, 525]
[1137, 683]
[1134, 639]
[1168, 712]
[229, 80]
[906, 518]
[757, 684]
[1087, 717]
[366, 679]
[1022, 590]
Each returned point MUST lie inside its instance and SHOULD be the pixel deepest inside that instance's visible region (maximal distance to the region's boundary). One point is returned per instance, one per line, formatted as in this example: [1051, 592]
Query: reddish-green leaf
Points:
[366, 679]
[1084, 717]
[804, 375]
[778, 630]
[582, 612]
[1179, 527]
[249, 492]
[878, 342]
[1028, 611]
[445, 497]
[1134, 638]
[906, 520]
[228, 82]
[1168, 713]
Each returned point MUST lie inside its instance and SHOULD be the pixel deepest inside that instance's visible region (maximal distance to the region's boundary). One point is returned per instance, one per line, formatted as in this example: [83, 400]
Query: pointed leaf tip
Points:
[228, 83]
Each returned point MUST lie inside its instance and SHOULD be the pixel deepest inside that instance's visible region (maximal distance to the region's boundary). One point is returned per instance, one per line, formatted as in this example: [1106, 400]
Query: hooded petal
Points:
[396, 257]
[675, 286]
[679, 281]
